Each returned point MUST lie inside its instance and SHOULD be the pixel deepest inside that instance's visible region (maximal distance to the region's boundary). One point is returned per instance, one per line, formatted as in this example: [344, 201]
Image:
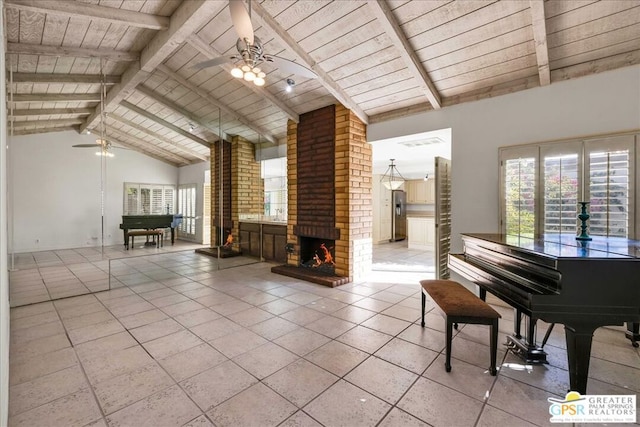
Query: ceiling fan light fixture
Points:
[249, 76]
[245, 68]
[237, 73]
[261, 75]
[259, 81]
[105, 154]
[256, 71]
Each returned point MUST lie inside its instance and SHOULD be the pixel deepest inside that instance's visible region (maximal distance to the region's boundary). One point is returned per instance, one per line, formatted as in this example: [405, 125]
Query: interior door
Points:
[443, 215]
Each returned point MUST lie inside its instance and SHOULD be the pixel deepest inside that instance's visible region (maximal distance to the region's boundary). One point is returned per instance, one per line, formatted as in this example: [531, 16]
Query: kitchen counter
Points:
[264, 221]
[264, 239]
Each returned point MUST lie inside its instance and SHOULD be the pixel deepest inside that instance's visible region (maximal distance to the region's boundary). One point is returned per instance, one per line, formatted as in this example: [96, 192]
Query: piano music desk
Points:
[459, 305]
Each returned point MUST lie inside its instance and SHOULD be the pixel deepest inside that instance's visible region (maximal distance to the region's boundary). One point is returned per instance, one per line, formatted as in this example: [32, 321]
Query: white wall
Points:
[56, 190]
[601, 103]
[4, 272]
[194, 174]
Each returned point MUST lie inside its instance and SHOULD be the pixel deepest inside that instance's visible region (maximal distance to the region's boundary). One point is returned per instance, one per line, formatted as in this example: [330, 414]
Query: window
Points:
[274, 174]
[542, 184]
[187, 207]
[148, 199]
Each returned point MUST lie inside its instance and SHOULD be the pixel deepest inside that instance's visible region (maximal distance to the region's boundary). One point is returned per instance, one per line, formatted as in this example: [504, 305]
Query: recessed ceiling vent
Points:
[421, 142]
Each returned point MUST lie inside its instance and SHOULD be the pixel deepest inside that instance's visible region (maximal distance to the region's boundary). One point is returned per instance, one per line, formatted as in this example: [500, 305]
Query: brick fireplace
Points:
[330, 182]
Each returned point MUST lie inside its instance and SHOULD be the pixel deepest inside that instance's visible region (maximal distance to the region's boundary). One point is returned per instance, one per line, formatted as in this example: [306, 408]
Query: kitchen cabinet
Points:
[264, 240]
[420, 191]
[421, 233]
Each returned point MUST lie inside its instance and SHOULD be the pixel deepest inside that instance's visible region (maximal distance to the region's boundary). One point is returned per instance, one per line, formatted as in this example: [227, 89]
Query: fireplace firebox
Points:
[317, 253]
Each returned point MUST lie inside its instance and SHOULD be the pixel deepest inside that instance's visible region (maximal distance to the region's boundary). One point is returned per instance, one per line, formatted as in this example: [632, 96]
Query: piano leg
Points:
[578, 353]
[526, 347]
[517, 323]
[633, 333]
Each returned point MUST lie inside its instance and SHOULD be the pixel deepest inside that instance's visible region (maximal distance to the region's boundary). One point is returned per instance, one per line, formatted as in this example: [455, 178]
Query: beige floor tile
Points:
[407, 355]
[331, 327]
[300, 382]
[30, 310]
[23, 335]
[345, 404]
[464, 377]
[87, 320]
[143, 318]
[250, 317]
[386, 324]
[507, 391]
[258, 298]
[168, 407]
[616, 374]
[397, 418]
[302, 341]
[239, 342]
[213, 386]
[192, 361]
[231, 307]
[109, 344]
[182, 307]
[267, 409]
[279, 307]
[619, 352]
[129, 309]
[474, 353]
[302, 315]
[217, 328]
[177, 342]
[346, 297]
[437, 405]
[364, 339]
[404, 313]
[121, 391]
[92, 332]
[44, 389]
[282, 291]
[274, 328]
[382, 379]
[197, 317]
[38, 346]
[326, 305]
[34, 320]
[74, 311]
[41, 365]
[492, 417]
[265, 360]
[543, 376]
[300, 419]
[302, 298]
[155, 330]
[200, 421]
[337, 358]
[76, 409]
[158, 293]
[112, 364]
[425, 337]
[353, 314]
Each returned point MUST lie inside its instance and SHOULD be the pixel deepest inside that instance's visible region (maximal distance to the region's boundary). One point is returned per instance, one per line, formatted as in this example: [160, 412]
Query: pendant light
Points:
[392, 179]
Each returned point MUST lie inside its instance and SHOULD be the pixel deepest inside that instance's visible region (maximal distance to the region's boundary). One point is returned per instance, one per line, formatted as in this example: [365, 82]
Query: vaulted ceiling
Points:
[382, 59]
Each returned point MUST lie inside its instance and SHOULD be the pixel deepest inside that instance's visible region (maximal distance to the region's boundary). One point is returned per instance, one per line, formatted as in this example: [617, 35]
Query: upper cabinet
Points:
[420, 191]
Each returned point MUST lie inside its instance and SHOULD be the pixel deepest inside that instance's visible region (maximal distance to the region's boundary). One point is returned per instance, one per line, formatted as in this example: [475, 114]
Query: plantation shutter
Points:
[519, 190]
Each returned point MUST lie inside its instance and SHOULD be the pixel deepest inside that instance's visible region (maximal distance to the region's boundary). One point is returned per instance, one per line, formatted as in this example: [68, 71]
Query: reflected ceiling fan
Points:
[251, 55]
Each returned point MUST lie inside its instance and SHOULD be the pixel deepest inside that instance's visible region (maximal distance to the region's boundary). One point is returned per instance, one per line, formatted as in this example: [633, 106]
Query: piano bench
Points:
[155, 233]
[459, 305]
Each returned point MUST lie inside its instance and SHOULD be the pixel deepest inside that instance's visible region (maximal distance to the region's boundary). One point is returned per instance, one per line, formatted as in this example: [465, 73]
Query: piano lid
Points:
[566, 245]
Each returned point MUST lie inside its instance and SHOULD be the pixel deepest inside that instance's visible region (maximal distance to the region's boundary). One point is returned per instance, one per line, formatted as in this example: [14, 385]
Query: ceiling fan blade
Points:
[241, 20]
[86, 146]
[213, 62]
[291, 67]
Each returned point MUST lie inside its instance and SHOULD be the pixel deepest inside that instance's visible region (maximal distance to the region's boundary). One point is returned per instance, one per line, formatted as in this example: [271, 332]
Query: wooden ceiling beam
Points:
[50, 111]
[387, 20]
[55, 97]
[122, 138]
[282, 37]
[63, 78]
[19, 132]
[77, 52]
[208, 51]
[48, 123]
[157, 136]
[152, 117]
[204, 95]
[186, 19]
[539, 25]
[178, 109]
[75, 9]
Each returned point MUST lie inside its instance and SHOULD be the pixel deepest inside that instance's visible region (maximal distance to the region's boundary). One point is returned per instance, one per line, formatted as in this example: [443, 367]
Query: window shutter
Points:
[520, 191]
[560, 193]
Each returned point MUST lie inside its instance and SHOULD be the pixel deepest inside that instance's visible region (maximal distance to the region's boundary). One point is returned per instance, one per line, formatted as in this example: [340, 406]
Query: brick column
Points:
[247, 187]
[354, 214]
[292, 190]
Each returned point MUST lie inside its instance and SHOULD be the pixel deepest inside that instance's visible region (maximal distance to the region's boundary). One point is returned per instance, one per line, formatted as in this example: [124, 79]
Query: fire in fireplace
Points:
[318, 254]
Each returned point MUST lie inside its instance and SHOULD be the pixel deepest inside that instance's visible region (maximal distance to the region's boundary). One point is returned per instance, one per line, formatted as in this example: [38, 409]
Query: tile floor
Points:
[180, 343]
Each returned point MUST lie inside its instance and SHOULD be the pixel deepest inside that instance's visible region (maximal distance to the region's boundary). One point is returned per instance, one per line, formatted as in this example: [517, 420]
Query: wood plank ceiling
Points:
[382, 59]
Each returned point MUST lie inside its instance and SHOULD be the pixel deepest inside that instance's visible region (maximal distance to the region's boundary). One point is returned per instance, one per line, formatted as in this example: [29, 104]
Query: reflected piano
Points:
[148, 222]
[582, 285]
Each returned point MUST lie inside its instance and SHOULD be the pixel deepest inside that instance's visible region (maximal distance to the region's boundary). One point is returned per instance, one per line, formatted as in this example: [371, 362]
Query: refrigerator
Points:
[398, 215]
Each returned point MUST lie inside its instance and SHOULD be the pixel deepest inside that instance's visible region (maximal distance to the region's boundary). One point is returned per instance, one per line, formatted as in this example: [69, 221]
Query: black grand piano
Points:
[149, 222]
[555, 278]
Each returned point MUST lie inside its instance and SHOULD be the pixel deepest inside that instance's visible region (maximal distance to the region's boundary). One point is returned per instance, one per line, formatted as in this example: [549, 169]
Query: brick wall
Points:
[215, 190]
[247, 196]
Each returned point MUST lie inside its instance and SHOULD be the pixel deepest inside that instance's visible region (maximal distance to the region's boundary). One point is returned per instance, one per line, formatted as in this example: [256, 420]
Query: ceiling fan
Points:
[102, 145]
[250, 52]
